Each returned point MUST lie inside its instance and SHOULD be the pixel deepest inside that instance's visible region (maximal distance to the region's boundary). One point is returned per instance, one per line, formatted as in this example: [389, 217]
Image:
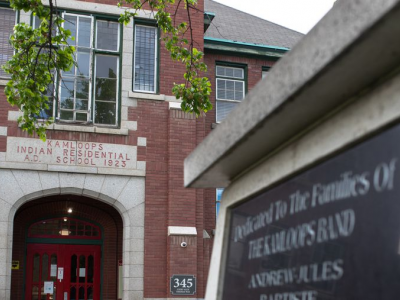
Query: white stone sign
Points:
[71, 153]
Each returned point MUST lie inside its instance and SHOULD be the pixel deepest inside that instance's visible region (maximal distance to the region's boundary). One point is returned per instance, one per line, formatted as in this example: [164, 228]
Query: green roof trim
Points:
[210, 39]
[214, 45]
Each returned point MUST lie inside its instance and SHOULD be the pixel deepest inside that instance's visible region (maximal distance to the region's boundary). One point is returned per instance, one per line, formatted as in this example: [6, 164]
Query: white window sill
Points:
[3, 82]
[148, 96]
[89, 129]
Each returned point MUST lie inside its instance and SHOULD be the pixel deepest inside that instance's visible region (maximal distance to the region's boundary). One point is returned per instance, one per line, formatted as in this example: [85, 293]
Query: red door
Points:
[69, 272]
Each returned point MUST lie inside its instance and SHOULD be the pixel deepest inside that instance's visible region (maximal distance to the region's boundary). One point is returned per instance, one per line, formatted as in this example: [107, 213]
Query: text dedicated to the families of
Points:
[336, 225]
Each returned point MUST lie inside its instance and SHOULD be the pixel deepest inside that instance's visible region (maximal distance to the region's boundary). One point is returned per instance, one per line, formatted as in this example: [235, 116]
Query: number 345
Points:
[185, 283]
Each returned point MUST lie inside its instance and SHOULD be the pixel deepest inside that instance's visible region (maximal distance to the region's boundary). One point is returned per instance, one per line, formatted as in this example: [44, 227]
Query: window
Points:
[93, 82]
[230, 89]
[265, 71]
[64, 227]
[7, 22]
[89, 91]
[145, 57]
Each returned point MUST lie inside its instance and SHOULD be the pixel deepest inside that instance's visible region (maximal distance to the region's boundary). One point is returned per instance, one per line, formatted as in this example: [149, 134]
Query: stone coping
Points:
[351, 49]
[181, 230]
[150, 96]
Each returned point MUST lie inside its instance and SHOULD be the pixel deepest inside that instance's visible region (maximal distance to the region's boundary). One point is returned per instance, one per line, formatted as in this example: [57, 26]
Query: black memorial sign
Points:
[332, 232]
[183, 285]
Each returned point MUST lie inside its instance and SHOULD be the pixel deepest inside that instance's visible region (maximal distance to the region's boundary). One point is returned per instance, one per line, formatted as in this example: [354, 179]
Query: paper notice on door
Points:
[53, 270]
[48, 287]
[60, 274]
[82, 272]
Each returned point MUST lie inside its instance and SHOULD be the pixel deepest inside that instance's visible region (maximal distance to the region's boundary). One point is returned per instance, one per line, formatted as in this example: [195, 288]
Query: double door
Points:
[63, 272]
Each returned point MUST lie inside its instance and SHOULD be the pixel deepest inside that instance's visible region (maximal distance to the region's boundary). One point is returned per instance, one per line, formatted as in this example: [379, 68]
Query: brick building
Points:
[99, 211]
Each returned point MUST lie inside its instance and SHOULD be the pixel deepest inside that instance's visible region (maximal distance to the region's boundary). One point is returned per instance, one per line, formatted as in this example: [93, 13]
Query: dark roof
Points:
[238, 26]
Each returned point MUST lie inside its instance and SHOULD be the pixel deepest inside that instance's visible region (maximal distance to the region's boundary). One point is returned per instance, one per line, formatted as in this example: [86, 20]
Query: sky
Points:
[299, 15]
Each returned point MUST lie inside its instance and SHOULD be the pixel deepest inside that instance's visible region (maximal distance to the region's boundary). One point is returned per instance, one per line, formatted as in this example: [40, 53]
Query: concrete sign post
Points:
[310, 166]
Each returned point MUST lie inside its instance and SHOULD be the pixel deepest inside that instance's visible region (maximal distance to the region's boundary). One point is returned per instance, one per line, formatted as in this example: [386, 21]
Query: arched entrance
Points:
[68, 247]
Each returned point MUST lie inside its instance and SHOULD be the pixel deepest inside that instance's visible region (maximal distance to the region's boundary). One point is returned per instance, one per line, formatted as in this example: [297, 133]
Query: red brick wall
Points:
[152, 118]
[84, 208]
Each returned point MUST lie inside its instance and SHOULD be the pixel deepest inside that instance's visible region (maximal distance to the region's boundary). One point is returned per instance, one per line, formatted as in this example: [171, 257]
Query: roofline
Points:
[211, 39]
[329, 64]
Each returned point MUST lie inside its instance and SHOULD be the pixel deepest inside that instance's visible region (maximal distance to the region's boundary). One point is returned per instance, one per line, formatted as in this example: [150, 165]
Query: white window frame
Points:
[117, 94]
[91, 49]
[155, 59]
[93, 52]
[225, 78]
[93, 78]
[119, 36]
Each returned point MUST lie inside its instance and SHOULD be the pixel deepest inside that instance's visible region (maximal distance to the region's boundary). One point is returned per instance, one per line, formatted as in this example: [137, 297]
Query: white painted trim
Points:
[181, 230]
[98, 8]
[13, 115]
[3, 82]
[175, 105]
[3, 130]
[145, 96]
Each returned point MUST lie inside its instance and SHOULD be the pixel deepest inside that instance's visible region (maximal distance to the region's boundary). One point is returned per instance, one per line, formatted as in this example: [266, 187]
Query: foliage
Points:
[43, 52]
[38, 53]
[196, 90]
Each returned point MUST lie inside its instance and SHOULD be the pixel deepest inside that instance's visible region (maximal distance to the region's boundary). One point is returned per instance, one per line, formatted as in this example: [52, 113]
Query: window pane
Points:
[230, 89]
[84, 30]
[107, 35]
[145, 54]
[82, 88]
[45, 267]
[106, 89]
[105, 113]
[230, 72]
[53, 263]
[67, 89]
[7, 21]
[73, 293]
[67, 103]
[36, 267]
[223, 109]
[106, 74]
[81, 105]
[106, 66]
[83, 57]
[90, 269]
[82, 269]
[81, 117]
[238, 73]
[66, 115]
[70, 24]
[74, 266]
